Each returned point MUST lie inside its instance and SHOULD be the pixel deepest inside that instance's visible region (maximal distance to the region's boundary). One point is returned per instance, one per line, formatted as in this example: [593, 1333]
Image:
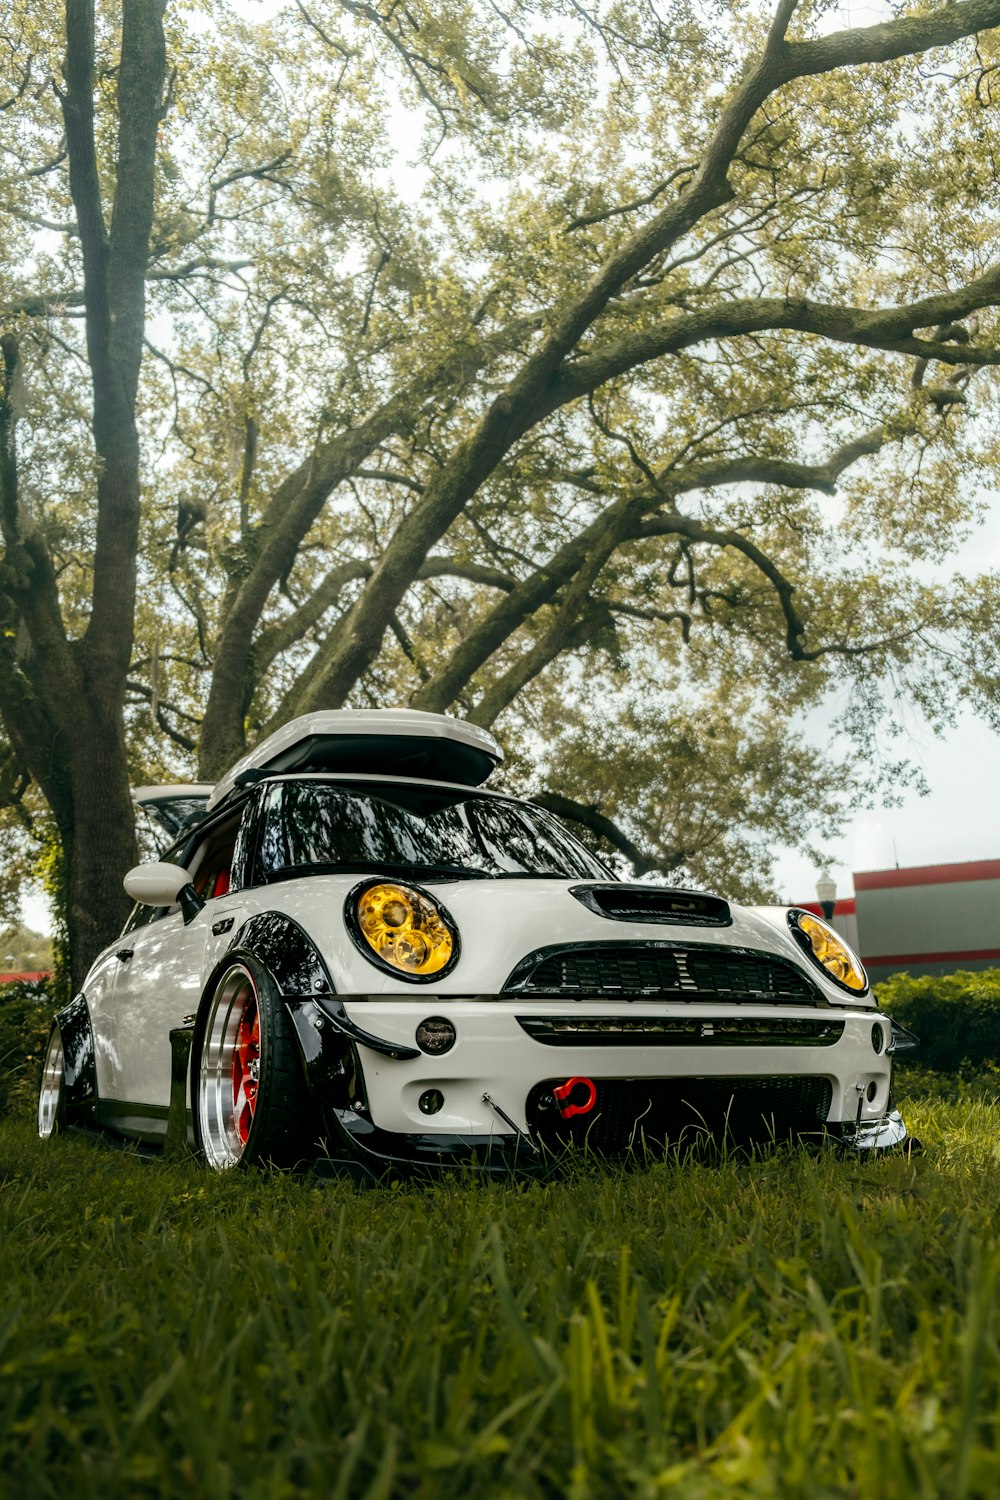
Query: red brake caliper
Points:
[246, 1061]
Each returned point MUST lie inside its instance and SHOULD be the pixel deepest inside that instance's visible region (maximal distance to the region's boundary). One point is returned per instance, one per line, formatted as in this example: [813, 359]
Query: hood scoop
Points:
[650, 903]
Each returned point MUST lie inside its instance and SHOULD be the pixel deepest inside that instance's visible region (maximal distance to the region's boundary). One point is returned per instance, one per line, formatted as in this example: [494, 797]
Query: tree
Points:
[62, 691]
[560, 415]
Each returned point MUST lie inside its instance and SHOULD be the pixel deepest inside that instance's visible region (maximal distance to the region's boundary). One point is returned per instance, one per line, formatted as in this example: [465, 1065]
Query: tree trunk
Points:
[62, 701]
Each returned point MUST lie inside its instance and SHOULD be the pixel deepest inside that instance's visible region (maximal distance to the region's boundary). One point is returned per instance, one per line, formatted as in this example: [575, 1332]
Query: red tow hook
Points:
[562, 1094]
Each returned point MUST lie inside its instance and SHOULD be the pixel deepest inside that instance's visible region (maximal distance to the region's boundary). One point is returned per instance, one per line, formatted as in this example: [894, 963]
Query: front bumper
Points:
[509, 1051]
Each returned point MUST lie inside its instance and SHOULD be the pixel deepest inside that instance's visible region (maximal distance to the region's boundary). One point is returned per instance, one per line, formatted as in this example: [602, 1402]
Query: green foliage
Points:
[23, 951]
[956, 1016]
[797, 1325]
[26, 1011]
[50, 867]
[707, 786]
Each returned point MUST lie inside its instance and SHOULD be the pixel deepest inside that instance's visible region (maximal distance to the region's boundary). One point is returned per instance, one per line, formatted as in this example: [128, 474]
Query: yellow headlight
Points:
[404, 929]
[830, 950]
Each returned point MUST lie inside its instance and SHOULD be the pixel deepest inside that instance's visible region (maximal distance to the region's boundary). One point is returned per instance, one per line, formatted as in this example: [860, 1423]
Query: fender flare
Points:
[327, 1040]
[286, 951]
[79, 1059]
[275, 942]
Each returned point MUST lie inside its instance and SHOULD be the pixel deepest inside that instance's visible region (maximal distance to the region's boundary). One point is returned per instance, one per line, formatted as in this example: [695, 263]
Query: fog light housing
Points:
[430, 1101]
[435, 1035]
[878, 1037]
[872, 1091]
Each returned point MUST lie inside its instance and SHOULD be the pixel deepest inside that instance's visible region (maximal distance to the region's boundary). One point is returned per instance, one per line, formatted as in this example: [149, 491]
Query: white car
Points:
[359, 954]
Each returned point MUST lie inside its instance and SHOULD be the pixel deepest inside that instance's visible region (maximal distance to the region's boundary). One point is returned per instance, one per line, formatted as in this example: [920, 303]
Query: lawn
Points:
[793, 1325]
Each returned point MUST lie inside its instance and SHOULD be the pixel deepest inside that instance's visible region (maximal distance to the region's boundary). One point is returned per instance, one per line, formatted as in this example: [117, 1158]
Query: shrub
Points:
[956, 1016]
[26, 1010]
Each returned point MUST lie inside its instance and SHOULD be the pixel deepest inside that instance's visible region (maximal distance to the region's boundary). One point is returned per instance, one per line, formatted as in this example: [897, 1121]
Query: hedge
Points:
[956, 1017]
[26, 1010]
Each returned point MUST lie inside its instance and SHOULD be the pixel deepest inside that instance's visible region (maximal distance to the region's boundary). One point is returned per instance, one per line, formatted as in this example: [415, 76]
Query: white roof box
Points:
[391, 741]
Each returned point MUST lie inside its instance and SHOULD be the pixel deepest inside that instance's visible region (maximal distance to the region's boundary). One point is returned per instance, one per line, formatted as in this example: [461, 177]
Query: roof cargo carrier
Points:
[372, 741]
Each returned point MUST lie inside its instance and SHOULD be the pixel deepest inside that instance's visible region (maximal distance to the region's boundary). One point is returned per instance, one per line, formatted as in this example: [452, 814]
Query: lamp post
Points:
[826, 890]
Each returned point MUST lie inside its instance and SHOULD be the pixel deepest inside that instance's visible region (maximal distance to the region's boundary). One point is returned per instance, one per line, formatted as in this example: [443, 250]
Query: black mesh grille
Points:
[637, 970]
[633, 1113]
[681, 1031]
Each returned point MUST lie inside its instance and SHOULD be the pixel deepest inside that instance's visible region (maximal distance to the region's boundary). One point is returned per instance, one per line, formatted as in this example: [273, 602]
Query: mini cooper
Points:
[354, 952]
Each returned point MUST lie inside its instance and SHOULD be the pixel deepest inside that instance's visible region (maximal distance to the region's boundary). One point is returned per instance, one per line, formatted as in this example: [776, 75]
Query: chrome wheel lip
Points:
[51, 1089]
[220, 1138]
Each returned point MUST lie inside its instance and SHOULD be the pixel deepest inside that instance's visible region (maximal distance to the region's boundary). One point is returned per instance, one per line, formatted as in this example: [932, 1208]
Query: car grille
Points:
[680, 1031]
[659, 971]
[631, 1114]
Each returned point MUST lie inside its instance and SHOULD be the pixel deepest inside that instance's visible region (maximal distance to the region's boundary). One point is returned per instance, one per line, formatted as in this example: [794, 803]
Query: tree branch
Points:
[287, 632]
[158, 707]
[540, 386]
[687, 169]
[889, 329]
[676, 525]
[588, 816]
[577, 602]
[522, 602]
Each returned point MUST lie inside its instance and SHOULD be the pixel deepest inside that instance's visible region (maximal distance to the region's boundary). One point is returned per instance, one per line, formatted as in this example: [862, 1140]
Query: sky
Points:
[958, 819]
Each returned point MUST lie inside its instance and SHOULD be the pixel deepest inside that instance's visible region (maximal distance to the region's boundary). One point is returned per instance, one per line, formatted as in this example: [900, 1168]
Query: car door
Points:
[99, 992]
[158, 986]
[163, 970]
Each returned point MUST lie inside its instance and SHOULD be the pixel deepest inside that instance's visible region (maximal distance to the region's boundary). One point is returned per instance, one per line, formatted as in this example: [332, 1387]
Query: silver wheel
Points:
[229, 1071]
[50, 1095]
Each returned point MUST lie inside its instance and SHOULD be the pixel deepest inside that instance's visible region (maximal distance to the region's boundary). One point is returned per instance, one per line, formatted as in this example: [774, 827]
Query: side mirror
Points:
[161, 884]
[157, 884]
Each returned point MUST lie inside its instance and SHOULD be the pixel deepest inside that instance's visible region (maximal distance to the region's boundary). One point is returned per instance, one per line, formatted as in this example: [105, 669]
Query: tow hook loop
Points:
[586, 1097]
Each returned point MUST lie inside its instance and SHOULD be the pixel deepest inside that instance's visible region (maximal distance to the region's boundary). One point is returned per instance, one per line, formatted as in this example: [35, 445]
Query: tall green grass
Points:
[796, 1325]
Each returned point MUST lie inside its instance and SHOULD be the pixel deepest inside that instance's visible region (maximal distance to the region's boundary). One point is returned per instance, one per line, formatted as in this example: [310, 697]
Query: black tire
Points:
[248, 1092]
[52, 1089]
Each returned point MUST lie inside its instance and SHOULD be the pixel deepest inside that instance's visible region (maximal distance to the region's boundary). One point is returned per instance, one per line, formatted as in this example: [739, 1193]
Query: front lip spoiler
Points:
[373, 1153]
[873, 1137]
[383, 1150]
[379, 1151]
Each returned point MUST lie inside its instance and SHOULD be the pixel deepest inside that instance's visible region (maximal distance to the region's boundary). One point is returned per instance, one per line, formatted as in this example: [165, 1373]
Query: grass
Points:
[796, 1325]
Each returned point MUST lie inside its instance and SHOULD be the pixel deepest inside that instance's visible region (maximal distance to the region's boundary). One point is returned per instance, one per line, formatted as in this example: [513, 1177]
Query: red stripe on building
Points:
[10, 978]
[973, 869]
[900, 960]
[843, 908]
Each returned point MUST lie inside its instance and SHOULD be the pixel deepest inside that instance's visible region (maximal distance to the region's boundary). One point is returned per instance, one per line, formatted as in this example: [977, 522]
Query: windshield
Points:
[422, 829]
[157, 824]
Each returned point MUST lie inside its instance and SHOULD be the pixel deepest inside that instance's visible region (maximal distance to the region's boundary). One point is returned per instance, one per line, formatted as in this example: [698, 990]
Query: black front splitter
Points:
[365, 1152]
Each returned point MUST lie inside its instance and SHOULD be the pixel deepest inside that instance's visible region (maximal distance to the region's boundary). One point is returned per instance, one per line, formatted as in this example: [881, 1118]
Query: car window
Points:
[209, 856]
[150, 837]
[140, 915]
[311, 823]
[211, 860]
